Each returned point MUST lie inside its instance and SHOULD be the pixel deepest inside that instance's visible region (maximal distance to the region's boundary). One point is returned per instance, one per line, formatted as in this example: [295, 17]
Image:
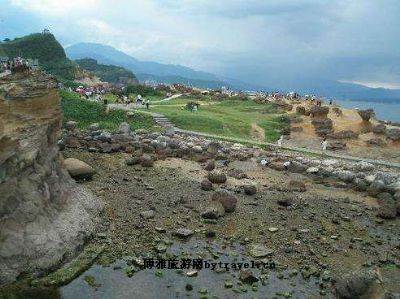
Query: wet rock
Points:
[183, 233]
[78, 169]
[147, 161]
[366, 114]
[214, 210]
[210, 165]
[237, 174]
[359, 185]
[355, 285]
[147, 214]
[260, 251]
[379, 129]
[213, 148]
[227, 199]
[216, 177]
[285, 201]
[312, 170]
[393, 134]
[247, 276]
[206, 185]
[168, 130]
[375, 188]
[250, 189]
[346, 176]
[133, 161]
[387, 206]
[123, 128]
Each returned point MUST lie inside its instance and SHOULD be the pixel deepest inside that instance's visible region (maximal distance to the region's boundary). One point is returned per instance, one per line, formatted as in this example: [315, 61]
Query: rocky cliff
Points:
[44, 215]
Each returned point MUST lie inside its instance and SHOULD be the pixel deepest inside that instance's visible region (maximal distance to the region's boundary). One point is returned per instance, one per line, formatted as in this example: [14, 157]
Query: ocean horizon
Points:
[385, 110]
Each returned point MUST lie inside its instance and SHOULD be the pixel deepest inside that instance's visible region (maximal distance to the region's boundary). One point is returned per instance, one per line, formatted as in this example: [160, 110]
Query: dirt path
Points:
[257, 132]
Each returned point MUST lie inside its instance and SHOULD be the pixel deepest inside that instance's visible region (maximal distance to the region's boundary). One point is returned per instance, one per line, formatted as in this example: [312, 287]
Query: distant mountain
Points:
[109, 55]
[108, 73]
[154, 71]
[47, 50]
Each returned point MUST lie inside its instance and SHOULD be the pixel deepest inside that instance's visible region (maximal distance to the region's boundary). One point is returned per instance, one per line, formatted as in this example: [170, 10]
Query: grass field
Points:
[240, 119]
[86, 113]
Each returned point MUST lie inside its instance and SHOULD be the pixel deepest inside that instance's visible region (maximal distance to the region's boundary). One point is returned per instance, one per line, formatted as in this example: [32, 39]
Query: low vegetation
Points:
[86, 113]
[232, 118]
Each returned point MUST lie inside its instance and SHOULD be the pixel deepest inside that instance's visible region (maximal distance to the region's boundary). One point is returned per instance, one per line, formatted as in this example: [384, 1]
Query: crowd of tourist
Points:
[15, 65]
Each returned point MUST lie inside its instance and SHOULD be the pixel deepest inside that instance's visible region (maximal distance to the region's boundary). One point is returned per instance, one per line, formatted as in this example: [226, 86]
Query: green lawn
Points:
[228, 118]
[86, 113]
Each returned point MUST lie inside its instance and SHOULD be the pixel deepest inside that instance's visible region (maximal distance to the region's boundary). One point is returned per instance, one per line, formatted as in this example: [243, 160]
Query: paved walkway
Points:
[290, 148]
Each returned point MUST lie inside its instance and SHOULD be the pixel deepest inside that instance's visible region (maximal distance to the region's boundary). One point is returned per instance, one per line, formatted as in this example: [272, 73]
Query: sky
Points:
[280, 43]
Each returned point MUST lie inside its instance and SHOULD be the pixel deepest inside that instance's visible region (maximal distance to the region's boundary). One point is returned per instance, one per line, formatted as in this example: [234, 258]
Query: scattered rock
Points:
[376, 142]
[214, 210]
[147, 214]
[210, 165]
[227, 199]
[78, 169]
[393, 134]
[206, 185]
[247, 276]
[71, 125]
[123, 128]
[355, 285]
[285, 200]
[183, 233]
[216, 177]
[250, 189]
[260, 251]
[379, 129]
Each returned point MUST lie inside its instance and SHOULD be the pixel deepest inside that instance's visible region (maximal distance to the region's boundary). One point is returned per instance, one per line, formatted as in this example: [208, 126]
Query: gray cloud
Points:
[276, 42]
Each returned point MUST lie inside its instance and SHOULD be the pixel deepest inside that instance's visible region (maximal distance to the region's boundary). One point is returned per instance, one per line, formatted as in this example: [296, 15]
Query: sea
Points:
[384, 110]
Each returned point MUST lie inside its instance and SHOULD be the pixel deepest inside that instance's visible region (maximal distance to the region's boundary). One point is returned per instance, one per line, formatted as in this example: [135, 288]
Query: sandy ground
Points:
[350, 120]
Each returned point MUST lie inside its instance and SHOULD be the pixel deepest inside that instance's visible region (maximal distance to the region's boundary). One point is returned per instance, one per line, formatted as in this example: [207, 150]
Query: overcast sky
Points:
[270, 42]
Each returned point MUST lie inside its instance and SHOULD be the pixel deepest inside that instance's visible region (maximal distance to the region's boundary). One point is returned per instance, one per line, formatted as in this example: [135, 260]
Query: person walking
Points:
[324, 144]
[280, 140]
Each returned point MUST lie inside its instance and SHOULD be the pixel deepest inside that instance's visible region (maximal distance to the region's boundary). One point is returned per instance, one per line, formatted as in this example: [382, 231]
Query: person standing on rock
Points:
[324, 144]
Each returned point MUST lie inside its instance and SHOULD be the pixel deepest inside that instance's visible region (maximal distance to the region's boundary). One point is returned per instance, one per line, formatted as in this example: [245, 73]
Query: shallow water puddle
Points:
[113, 282]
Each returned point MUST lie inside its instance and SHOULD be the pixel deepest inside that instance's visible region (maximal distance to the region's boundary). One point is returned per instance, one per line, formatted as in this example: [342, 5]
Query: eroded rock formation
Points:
[44, 215]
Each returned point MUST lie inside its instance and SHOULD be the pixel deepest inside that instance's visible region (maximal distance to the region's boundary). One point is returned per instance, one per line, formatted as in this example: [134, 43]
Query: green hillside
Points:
[108, 73]
[47, 50]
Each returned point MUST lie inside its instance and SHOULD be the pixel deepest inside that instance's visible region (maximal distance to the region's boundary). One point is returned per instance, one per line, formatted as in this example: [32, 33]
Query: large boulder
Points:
[216, 177]
[387, 206]
[393, 134]
[322, 126]
[45, 216]
[379, 129]
[78, 169]
[376, 187]
[347, 134]
[366, 114]
[319, 111]
[356, 285]
[213, 210]
[227, 199]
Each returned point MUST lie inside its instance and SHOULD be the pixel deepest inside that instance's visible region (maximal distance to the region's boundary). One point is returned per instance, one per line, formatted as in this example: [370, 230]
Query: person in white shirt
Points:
[286, 164]
[324, 144]
[280, 140]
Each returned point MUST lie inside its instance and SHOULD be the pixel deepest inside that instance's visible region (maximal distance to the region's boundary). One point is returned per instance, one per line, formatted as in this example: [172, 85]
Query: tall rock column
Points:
[44, 215]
